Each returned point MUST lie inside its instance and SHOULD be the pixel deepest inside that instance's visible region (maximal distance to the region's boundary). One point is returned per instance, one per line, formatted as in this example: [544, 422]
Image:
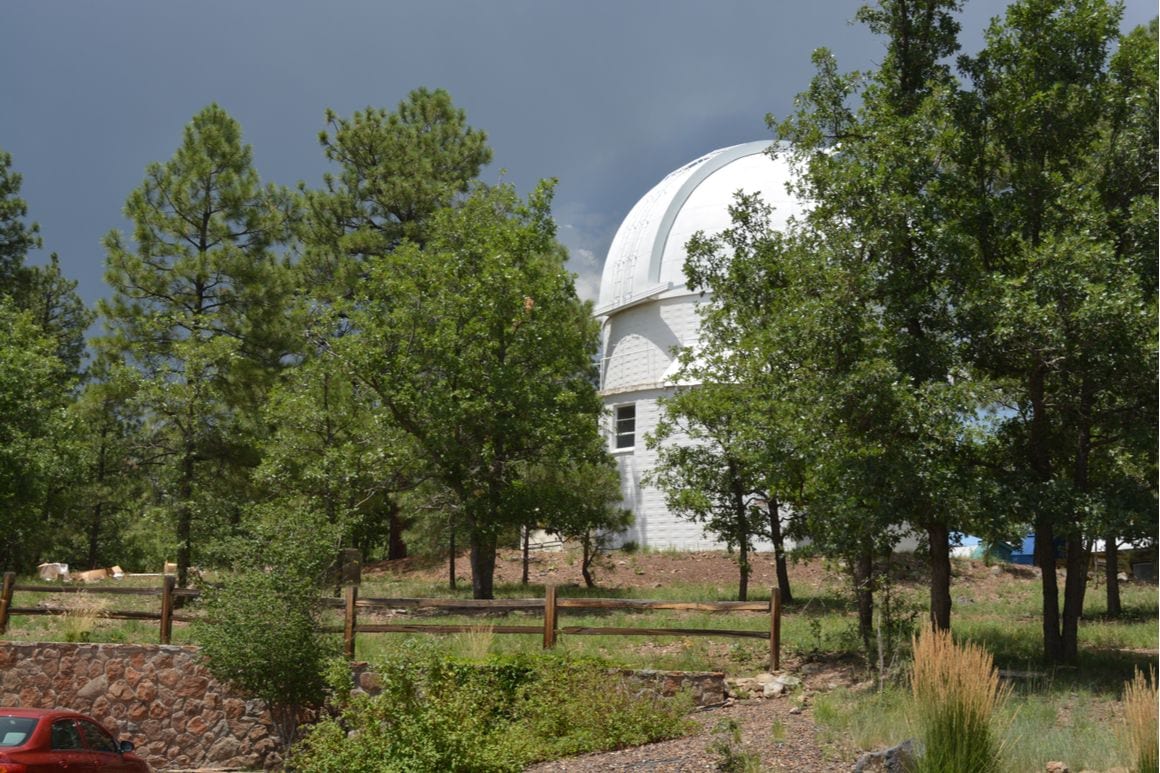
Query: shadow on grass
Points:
[1098, 670]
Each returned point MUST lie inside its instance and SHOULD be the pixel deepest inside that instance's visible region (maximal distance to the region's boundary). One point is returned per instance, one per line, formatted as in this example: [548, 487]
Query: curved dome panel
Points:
[648, 252]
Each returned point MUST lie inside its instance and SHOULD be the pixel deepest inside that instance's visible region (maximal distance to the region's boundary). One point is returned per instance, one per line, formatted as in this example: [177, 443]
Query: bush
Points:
[956, 692]
[435, 714]
[260, 629]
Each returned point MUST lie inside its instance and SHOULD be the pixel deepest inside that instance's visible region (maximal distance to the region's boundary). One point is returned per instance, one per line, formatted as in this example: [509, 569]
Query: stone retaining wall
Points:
[158, 696]
[178, 716]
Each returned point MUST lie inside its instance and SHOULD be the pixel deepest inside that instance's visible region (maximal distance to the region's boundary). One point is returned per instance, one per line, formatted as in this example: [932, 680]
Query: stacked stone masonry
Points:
[157, 696]
[179, 717]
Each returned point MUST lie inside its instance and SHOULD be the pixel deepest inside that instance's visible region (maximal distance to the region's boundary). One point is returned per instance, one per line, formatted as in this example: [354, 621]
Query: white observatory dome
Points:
[647, 255]
[649, 316]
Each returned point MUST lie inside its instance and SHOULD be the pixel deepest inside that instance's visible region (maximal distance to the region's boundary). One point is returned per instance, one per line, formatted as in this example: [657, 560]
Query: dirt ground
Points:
[618, 570]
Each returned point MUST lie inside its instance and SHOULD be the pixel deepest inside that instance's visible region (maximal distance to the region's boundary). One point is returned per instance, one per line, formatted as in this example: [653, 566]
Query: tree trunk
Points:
[864, 595]
[483, 544]
[396, 545]
[1111, 574]
[743, 565]
[1073, 592]
[1045, 560]
[741, 529]
[185, 519]
[779, 551]
[1040, 462]
[940, 576]
[1075, 585]
[586, 560]
[526, 547]
[451, 552]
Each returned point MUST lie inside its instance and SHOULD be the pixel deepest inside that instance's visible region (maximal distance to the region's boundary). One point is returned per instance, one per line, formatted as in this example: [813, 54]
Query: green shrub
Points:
[435, 714]
[574, 707]
[259, 632]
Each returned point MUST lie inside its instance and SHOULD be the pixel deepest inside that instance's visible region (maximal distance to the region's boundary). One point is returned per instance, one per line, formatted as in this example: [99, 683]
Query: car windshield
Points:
[14, 731]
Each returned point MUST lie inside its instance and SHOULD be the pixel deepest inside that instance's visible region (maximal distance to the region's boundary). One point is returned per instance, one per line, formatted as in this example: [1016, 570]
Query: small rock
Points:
[996, 570]
[764, 678]
[773, 689]
[789, 681]
[1056, 767]
[1122, 576]
[896, 759]
[796, 710]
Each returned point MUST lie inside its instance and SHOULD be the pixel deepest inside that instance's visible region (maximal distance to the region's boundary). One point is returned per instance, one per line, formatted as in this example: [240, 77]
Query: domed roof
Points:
[647, 255]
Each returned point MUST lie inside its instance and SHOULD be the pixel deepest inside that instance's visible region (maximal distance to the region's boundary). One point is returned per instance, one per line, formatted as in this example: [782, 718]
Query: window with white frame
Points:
[624, 426]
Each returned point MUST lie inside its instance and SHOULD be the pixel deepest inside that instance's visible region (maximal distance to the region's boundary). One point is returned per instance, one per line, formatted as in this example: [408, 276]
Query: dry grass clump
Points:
[476, 644]
[956, 692]
[1141, 718]
[80, 614]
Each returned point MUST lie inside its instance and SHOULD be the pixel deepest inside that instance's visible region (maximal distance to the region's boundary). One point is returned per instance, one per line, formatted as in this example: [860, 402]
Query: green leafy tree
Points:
[199, 311]
[34, 392]
[395, 171]
[477, 347]
[328, 445]
[716, 478]
[580, 502]
[1054, 147]
[880, 214]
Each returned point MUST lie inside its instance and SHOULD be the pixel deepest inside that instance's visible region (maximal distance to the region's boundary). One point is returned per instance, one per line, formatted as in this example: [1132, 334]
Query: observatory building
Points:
[648, 315]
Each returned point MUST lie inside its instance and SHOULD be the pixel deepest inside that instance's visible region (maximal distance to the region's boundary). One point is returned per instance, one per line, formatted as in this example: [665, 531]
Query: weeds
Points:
[1140, 720]
[956, 693]
[726, 747]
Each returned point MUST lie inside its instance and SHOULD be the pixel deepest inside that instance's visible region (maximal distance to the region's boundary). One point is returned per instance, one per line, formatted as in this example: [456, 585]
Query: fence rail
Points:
[548, 607]
[165, 616]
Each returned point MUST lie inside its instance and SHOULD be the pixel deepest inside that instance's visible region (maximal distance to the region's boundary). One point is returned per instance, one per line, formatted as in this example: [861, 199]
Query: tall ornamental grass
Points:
[1141, 718]
[956, 693]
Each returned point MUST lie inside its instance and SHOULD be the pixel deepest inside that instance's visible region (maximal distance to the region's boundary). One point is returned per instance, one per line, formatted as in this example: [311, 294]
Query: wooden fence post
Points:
[549, 617]
[168, 583]
[6, 600]
[775, 628]
[350, 620]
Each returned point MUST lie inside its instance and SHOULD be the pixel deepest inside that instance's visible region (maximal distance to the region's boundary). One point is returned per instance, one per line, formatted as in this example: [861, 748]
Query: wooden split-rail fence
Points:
[548, 607]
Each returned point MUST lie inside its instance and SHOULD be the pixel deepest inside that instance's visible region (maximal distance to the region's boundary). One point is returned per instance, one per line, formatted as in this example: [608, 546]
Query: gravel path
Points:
[784, 741]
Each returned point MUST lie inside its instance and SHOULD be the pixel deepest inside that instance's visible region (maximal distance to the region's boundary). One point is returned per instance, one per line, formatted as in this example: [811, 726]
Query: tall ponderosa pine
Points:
[43, 291]
[199, 310]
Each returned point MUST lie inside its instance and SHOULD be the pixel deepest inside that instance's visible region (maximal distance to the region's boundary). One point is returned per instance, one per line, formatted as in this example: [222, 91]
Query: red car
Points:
[35, 740]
